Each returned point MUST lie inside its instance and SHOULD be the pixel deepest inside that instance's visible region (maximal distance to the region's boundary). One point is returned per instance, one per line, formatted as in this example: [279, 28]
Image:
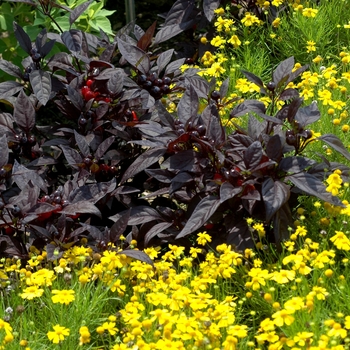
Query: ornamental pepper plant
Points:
[89, 150]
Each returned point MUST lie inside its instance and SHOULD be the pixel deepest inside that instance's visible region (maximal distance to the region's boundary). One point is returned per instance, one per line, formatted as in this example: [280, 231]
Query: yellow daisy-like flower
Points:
[63, 296]
[58, 334]
[32, 292]
[203, 238]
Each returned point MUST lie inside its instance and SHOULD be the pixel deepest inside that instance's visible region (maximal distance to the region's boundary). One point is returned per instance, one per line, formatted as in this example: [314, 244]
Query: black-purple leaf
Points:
[119, 227]
[6, 122]
[179, 180]
[138, 255]
[10, 68]
[188, 105]
[115, 82]
[283, 70]
[24, 112]
[169, 31]
[82, 207]
[41, 208]
[275, 194]
[138, 32]
[308, 114]
[73, 39]
[253, 78]
[274, 148]
[200, 85]
[139, 215]
[295, 164]
[215, 130]
[158, 228]
[163, 59]
[179, 12]
[282, 221]
[76, 98]
[209, 6]
[288, 94]
[146, 159]
[4, 151]
[9, 88]
[248, 106]
[252, 155]
[296, 73]
[78, 11]
[22, 38]
[72, 156]
[228, 191]
[41, 85]
[201, 214]
[135, 56]
[224, 87]
[293, 108]
[82, 144]
[47, 47]
[174, 66]
[92, 192]
[104, 146]
[146, 39]
[335, 143]
[311, 185]
[21, 175]
[161, 175]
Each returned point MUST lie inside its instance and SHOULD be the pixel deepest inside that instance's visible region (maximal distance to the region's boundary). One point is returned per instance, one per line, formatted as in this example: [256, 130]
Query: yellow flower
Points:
[309, 12]
[217, 41]
[282, 317]
[276, 22]
[234, 40]
[341, 241]
[283, 276]
[311, 46]
[250, 19]
[32, 292]
[58, 334]
[63, 296]
[84, 335]
[203, 238]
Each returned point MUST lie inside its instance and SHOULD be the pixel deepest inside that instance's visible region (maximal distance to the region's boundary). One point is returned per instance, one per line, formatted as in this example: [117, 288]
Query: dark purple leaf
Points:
[253, 78]
[75, 97]
[21, 175]
[78, 11]
[24, 112]
[308, 114]
[275, 194]
[138, 255]
[296, 73]
[336, 144]
[282, 221]
[115, 82]
[104, 146]
[158, 228]
[169, 31]
[269, 118]
[10, 68]
[180, 180]
[41, 85]
[200, 85]
[188, 105]
[73, 40]
[41, 208]
[47, 47]
[295, 164]
[135, 56]
[9, 88]
[293, 108]
[22, 38]
[146, 159]
[248, 106]
[288, 94]
[224, 88]
[179, 12]
[4, 151]
[82, 144]
[125, 190]
[139, 215]
[100, 64]
[82, 207]
[209, 6]
[145, 41]
[283, 70]
[174, 66]
[274, 148]
[92, 192]
[163, 59]
[138, 32]
[72, 156]
[228, 191]
[252, 155]
[119, 227]
[215, 130]
[311, 185]
[161, 175]
[201, 214]
[12, 247]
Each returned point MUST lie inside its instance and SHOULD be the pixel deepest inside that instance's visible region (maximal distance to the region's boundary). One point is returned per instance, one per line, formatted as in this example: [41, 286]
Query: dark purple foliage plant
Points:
[112, 162]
